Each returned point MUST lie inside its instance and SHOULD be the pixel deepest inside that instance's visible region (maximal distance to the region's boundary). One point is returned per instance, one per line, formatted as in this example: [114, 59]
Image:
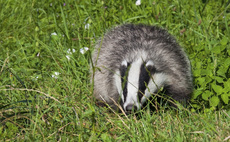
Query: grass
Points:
[45, 92]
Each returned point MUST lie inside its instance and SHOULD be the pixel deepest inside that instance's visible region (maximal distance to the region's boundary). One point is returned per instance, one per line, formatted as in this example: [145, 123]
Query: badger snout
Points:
[130, 108]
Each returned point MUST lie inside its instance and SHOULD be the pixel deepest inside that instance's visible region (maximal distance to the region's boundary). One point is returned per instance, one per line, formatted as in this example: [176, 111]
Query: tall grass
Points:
[45, 92]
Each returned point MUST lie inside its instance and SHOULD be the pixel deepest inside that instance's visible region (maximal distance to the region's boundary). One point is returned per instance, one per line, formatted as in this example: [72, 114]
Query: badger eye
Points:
[124, 68]
[151, 69]
[149, 66]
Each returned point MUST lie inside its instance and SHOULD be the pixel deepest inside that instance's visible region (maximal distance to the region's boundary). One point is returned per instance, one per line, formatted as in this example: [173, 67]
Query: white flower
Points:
[35, 78]
[53, 34]
[83, 50]
[70, 52]
[87, 26]
[68, 57]
[138, 2]
[55, 75]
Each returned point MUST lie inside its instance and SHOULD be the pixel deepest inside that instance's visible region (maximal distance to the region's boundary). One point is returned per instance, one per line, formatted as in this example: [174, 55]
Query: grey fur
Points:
[124, 43]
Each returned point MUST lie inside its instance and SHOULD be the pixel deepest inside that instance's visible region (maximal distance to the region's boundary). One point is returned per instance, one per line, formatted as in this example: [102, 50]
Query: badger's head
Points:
[136, 81]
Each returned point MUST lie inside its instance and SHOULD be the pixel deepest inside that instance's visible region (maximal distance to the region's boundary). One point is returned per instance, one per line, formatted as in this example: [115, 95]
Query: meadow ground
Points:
[45, 49]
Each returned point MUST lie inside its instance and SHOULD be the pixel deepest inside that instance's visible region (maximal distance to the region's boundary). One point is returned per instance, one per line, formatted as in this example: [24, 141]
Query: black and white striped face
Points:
[136, 81]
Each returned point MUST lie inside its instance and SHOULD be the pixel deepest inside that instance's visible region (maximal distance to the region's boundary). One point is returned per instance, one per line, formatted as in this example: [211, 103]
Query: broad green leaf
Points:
[196, 73]
[208, 79]
[219, 79]
[195, 106]
[224, 41]
[222, 47]
[222, 71]
[197, 93]
[225, 98]
[216, 49]
[36, 29]
[199, 65]
[201, 80]
[227, 85]
[217, 88]
[214, 101]
[227, 62]
[206, 72]
[206, 95]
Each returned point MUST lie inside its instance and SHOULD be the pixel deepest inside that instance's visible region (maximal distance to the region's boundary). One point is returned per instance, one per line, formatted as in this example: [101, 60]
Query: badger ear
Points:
[124, 63]
[149, 63]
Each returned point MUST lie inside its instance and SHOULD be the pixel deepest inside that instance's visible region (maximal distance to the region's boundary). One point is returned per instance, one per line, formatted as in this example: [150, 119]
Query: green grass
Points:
[44, 96]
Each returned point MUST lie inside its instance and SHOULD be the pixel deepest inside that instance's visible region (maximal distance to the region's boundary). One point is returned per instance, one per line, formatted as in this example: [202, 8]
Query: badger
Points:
[132, 62]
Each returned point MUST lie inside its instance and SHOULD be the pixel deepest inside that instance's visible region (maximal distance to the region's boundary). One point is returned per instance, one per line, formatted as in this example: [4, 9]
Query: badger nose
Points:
[130, 107]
